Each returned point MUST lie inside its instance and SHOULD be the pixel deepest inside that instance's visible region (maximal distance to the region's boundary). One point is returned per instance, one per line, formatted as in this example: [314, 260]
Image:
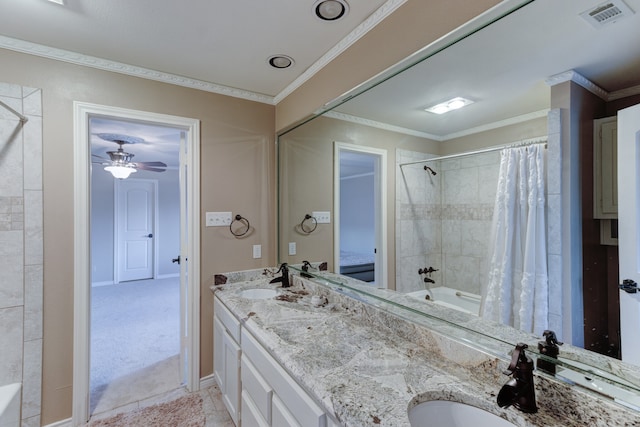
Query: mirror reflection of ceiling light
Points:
[120, 172]
[450, 105]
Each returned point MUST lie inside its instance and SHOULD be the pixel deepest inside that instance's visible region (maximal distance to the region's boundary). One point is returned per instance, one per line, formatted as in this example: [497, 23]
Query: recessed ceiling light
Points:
[57, 1]
[280, 61]
[450, 105]
[330, 10]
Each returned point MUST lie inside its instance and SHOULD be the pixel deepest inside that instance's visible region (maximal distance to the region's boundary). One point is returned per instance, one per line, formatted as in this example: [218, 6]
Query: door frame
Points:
[82, 112]
[117, 188]
[380, 179]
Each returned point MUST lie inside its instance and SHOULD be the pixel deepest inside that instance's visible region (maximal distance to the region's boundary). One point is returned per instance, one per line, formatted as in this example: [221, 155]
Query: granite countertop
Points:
[368, 367]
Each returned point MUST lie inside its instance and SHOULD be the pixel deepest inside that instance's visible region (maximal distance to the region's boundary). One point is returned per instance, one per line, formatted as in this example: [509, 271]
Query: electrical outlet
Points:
[218, 219]
[323, 217]
[257, 251]
[292, 248]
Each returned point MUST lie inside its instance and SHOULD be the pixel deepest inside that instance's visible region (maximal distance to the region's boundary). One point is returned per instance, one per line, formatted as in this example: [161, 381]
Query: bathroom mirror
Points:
[510, 69]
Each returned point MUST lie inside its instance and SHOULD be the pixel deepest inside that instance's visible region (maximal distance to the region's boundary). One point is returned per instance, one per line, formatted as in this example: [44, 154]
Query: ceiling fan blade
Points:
[100, 157]
[152, 164]
[149, 168]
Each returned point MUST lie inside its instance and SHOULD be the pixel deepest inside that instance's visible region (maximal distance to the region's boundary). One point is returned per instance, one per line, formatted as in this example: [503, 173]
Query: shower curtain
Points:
[516, 292]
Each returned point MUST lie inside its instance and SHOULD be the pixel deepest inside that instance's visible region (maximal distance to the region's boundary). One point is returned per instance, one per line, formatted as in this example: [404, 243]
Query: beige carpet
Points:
[183, 412]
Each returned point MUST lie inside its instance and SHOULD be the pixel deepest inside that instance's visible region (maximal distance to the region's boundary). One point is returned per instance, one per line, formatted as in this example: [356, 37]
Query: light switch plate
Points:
[292, 248]
[323, 217]
[257, 251]
[218, 219]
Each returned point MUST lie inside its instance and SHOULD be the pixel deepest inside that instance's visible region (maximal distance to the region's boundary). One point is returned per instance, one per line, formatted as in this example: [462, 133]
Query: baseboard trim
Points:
[208, 381]
[62, 423]
[105, 283]
[167, 276]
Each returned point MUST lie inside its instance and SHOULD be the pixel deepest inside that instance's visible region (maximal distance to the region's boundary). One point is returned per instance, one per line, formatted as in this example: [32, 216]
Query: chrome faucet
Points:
[519, 391]
[284, 279]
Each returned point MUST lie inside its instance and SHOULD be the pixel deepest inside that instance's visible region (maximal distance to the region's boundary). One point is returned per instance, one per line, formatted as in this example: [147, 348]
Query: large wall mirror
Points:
[404, 199]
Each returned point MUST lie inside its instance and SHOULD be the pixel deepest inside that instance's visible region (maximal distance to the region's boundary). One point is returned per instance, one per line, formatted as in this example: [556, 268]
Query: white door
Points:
[629, 229]
[136, 200]
[361, 245]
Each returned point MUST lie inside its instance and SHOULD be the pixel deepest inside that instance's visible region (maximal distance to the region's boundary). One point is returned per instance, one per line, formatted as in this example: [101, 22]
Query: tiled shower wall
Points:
[21, 258]
[444, 220]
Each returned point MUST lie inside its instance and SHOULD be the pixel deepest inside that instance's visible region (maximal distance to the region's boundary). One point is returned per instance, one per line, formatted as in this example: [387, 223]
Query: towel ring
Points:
[243, 220]
[307, 230]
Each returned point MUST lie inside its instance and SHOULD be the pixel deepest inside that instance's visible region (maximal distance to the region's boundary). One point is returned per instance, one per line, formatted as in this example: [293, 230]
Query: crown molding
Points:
[623, 93]
[499, 124]
[374, 19]
[577, 78]
[379, 125]
[132, 70]
[440, 138]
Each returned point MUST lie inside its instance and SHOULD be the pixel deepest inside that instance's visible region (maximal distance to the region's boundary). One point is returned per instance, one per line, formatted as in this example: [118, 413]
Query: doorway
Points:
[135, 312]
[86, 271]
[360, 206]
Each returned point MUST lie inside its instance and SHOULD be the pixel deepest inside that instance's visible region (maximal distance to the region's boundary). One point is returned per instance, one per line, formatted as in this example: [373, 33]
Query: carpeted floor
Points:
[134, 325]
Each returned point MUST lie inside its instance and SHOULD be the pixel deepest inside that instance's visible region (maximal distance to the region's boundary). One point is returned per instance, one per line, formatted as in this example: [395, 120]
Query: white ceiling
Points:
[223, 43]
[503, 68]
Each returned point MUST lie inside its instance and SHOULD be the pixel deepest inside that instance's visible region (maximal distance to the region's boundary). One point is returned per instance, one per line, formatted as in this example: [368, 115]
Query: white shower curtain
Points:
[516, 293]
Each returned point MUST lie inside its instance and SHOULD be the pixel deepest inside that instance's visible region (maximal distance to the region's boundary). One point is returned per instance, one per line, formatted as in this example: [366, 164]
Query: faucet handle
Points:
[517, 358]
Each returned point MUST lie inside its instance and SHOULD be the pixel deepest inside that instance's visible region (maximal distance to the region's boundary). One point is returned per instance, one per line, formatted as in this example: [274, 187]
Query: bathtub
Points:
[10, 405]
[452, 298]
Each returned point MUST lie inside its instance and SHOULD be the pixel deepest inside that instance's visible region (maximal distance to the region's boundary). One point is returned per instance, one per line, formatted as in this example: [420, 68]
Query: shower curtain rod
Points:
[524, 143]
[22, 118]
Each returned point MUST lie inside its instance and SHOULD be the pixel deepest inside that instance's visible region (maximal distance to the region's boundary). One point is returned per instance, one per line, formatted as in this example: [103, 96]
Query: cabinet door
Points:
[231, 394]
[605, 162]
[226, 367]
[218, 354]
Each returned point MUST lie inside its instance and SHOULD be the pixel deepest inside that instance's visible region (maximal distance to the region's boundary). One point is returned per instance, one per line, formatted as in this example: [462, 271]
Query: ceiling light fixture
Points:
[280, 61]
[120, 172]
[330, 10]
[57, 2]
[450, 105]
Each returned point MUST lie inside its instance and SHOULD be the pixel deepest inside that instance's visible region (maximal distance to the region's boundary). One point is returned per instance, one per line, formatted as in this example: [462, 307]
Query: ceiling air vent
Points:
[606, 13]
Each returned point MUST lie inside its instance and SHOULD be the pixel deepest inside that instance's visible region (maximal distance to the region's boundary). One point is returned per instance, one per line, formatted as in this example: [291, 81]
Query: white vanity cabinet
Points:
[256, 389]
[226, 358]
[270, 395]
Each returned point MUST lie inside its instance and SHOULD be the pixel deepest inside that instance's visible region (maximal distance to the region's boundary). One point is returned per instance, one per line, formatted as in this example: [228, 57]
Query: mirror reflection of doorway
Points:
[359, 203]
[135, 295]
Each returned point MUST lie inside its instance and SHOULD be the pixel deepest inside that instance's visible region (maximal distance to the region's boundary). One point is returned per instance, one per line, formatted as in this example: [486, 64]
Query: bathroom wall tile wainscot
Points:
[21, 259]
[367, 362]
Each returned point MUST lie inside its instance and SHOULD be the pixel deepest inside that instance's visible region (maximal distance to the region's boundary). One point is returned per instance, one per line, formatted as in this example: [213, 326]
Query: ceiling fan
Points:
[119, 162]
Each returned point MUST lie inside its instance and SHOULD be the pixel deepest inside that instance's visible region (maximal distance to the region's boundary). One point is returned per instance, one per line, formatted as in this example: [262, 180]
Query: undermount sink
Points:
[453, 414]
[258, 293]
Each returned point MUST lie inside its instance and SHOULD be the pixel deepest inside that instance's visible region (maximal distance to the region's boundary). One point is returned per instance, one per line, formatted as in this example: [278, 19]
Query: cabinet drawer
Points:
[228, 320]
[255, 386]
[251, 416]
[302, 407]
[281, 415]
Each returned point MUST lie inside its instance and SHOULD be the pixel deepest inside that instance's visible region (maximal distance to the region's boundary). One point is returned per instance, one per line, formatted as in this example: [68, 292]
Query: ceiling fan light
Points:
[120, 172]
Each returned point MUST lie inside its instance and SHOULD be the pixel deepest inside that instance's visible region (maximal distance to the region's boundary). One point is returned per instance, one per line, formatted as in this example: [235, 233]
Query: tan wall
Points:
[306, 162]
[238, 174]
[412, 26]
